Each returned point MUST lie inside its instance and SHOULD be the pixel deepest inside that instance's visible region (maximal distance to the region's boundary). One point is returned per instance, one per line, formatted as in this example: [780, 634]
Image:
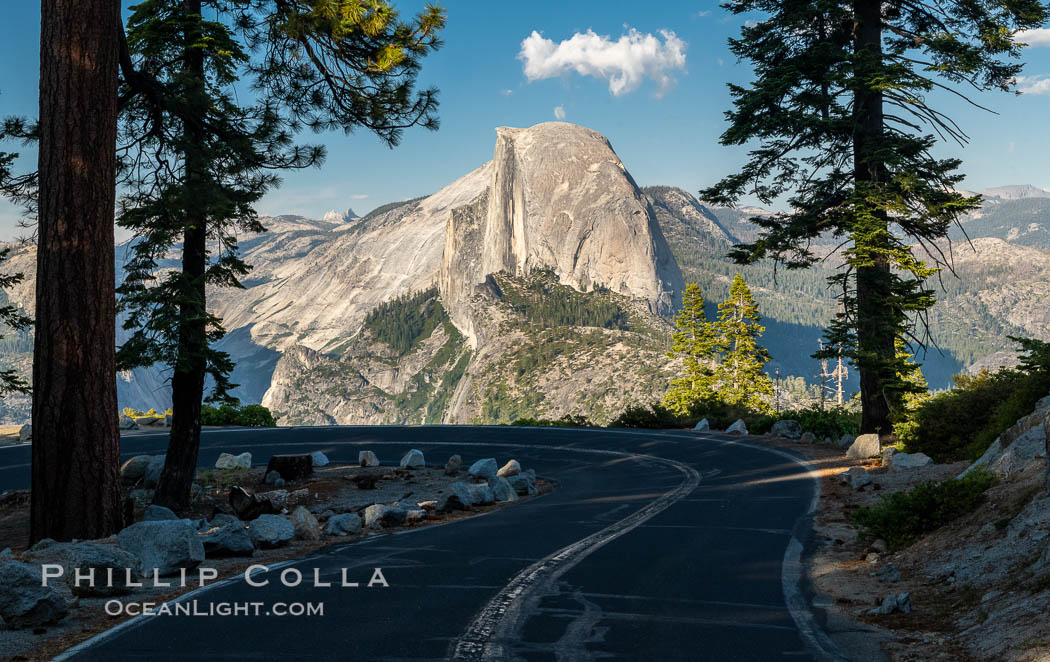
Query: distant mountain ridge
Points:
[541, 283]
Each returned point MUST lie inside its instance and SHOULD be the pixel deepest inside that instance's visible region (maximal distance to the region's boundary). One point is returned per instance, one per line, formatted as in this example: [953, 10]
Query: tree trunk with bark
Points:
[875, 330]
[187, 381]
[76, 443]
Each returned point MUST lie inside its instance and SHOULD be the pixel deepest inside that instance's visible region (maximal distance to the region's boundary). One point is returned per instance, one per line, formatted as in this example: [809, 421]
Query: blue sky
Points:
[664, 122]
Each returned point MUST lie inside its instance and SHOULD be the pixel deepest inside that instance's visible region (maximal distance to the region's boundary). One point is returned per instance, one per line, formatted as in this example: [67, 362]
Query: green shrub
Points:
[654, 417]
[566, 421]
[831, 422]
[961, 423]
[250, 416]
[901, 518]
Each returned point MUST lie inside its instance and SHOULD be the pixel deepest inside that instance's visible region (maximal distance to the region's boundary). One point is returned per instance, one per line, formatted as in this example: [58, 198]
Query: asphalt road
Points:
[656, 546]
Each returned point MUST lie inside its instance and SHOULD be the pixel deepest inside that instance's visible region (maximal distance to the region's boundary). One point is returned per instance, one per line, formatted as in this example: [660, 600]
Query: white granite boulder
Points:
[738, 428]
[865, 446]
[413, 459]
[271, 531]
[787, 429]
[228, 461]
[24, 601]
[164, 546]
[486, 469]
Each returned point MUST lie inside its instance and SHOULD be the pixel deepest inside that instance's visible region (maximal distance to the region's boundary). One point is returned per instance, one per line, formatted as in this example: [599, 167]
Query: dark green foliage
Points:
[901, 518]
[500, 405]
[12, 317]
[961, 423]
[550, 344]
[407, 320]
[250, 416]
[654, 417]
[566, 421]
[544, 301]
[197, 153]
[831, 422]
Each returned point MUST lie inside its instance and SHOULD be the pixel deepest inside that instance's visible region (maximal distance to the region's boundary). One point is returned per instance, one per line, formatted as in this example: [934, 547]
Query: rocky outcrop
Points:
[559, 198]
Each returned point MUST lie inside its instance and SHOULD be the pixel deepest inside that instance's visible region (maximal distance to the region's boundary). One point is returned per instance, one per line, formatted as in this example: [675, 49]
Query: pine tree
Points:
[844, 132]
[695, 342]
[740, 378]
[196, 157]
[911, 389]
[11, 316]
[76, 443]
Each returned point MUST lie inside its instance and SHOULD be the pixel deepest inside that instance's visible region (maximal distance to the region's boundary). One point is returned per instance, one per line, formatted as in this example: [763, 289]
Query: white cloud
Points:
[625, 63]
[507, 93]
[1033, 84]
[703, 13]
[1010, 147]
[1036, 37]
[559, 112]
[359, 196]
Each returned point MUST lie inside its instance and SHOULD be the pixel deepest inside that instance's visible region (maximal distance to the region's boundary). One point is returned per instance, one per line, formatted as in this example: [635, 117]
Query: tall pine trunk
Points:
[76, 443]
[875, 330]
[187, 381]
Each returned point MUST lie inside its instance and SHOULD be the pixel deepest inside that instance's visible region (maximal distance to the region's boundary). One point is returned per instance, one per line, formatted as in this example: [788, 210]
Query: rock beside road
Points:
[413, 459]
[319, 459]
[459, 497]
[524, 484]
[905, 461]
[482, 494]
[230, 539]
[228, 461]
[305, 524]
[378, 515]
[270, 531]
[502, 489]
[787, 429]
[454, 464]
[738, 428]
[135, 469]
[894, 603]
[511, 468]
[367, 459]
[485, 469]
[866, 446]
[165, 546]
[25, 433]
[856, 477]
[24, 601]
[343, 525]
[702, 425]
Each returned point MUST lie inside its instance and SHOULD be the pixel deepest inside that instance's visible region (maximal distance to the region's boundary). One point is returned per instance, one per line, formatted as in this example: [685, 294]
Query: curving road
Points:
[656, 546]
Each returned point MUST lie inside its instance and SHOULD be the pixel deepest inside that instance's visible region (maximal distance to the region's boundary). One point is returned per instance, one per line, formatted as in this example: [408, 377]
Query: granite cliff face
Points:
[555, 199]
[559, 198]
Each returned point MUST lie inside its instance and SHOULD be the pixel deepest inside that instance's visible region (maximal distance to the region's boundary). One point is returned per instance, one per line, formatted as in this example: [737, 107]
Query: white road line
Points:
[501, 619]
[792, 570]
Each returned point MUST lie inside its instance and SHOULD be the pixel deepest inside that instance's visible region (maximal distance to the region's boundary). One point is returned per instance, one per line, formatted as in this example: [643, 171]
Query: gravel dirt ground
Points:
[979, 586]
